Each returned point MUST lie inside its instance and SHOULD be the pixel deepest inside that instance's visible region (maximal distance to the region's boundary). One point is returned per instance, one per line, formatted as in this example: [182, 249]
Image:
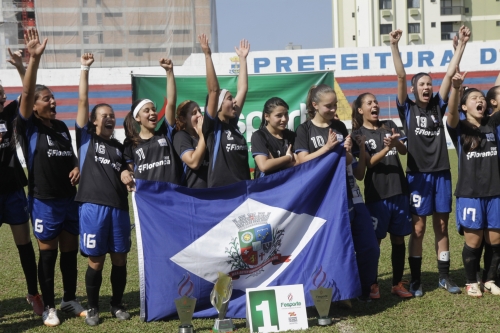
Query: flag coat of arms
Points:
[287, 228]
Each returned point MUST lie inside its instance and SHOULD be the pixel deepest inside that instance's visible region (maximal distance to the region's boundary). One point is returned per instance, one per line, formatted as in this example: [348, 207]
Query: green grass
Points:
[437, 311]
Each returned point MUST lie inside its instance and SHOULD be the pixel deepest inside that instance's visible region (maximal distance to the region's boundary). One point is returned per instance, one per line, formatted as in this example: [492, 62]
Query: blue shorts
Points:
[478, 213]
[103, 229]
[14, 208]
[51, 216]
[429, 192]
[391, 215]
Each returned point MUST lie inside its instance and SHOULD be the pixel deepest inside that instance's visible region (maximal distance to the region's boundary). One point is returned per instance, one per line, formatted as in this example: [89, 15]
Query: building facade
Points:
[366, 23]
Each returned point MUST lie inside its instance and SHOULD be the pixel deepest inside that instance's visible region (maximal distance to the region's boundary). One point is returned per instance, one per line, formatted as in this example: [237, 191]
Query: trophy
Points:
[185, 308]
[219, 297]
[322, 298]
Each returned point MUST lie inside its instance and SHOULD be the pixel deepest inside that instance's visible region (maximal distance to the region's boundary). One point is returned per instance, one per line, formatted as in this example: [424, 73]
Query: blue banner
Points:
[287, 228]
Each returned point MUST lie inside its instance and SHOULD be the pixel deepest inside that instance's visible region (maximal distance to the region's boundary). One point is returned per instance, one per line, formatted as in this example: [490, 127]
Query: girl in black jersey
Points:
[104, 216]
[13, 204]
[149, 152]
[493, 97]
[190, 144]
[52, 176]
[386, 193]
[227, 147]
[428, 169]
[478, 186]
[272, 142]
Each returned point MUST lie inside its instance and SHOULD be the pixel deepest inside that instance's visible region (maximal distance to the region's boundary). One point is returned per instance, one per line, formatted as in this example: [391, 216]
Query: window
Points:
[413, 3]
[466, 10]
[433, 24]
[385, 4]
[113, 53]
[84, 3]
[98, 2]
[498, 22]
[385, 29]
[139, 52]
[100, 38]
[181, 50]
[99, 18]
[413, 28]
[353, 37]
[149, 32]
[353, 14]
[113, 14]
[181, 31]
[85, 18]
[447, 32]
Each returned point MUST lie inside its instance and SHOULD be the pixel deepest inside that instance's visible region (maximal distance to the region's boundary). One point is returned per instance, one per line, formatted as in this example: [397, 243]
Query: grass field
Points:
[437, 311]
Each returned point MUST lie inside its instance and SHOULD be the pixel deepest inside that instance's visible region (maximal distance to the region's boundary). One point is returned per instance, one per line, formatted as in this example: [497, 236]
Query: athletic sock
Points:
[481, 247]
[118, 283]
[492, 264]
[470, 257]
[28, 262]
[69, 270]
[488, 254]
[443, 264]
[398, 262]
[93, 281]
[415, 268]
[46, 268]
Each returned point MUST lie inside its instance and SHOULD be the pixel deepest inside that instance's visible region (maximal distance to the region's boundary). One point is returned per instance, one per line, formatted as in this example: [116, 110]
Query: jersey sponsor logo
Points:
[162, 142]
[149, 166]
[5, 143]
[103, 160]
[476, 154]
[421, 131]
[233, 146]
[490, 137]
[392, 152]
[55, 152]
[49, 141]
[100, 148]
[229, 136]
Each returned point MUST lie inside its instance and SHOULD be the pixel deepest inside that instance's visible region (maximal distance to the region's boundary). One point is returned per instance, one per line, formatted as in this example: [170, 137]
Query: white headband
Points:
[222, 94]
[140, 105]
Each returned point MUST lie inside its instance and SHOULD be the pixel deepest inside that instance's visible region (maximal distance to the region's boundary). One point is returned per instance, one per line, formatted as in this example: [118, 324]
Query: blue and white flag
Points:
[287, 228]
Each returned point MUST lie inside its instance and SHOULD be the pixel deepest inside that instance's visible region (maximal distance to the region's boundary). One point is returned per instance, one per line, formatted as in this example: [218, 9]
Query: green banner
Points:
[291, 87]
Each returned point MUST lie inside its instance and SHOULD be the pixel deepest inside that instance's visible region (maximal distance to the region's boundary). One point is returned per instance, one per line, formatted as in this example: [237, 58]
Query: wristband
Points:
[85, 68]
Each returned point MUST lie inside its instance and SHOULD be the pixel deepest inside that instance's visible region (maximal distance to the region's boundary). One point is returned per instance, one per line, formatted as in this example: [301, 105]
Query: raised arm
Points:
[168, 65]
[35, 48]
[82, 117]
[212, 82]
[398, 65]
[16, 59]
[463, 38]
[241, 94]
[453, 114]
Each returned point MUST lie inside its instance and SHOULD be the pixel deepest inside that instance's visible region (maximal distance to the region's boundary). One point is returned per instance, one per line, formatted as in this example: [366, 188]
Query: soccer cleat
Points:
[374, 291]
[49, 317]
[401, 291]
[416, 289]
[450, 286]
[73, 307]
[492, 288]
[36, 302]
[119, 312]
[473, 290]
[92, 317]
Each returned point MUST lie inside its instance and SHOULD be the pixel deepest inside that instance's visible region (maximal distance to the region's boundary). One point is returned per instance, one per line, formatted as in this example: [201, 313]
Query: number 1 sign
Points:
[276, 309]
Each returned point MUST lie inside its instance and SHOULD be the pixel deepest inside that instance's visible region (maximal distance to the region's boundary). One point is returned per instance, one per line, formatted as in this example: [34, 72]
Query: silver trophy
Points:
[219, 297]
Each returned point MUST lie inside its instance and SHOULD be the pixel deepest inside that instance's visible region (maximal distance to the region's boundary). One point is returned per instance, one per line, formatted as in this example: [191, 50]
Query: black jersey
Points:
[228, 152]
[184, 142]
[155, 158]
[101, 164]
[427, 150]
[12, 177]
[49, 156]
[386, 178]
[478, 168]
[264, 143]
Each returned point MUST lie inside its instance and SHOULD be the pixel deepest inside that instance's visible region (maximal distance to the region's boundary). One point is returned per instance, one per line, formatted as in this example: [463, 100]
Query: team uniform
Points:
[104, 217]
[228, 152]
[13, 203]
[184, 142]
[428, 166]
[311, 138]
[155, 158]
[264, 143]
[386, 190]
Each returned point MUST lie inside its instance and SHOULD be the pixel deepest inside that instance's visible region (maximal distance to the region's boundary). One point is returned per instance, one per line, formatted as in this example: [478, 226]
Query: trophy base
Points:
[223, 326]
[186, 329]
[324, 321]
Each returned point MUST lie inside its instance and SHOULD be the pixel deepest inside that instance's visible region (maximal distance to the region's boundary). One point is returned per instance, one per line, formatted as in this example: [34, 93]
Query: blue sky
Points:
[272, 24]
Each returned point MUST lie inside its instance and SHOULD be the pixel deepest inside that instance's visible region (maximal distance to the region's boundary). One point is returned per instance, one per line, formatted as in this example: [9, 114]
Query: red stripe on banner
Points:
[386, 78]
[163, 108]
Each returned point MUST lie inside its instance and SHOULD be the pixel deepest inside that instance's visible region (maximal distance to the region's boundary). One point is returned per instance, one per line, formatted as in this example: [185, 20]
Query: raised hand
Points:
[360, 141]
[391, 141]
[203, 39]
[396, 36]
[348, 143]
[87, 59]
[289, 152]
[167, 64]
[35, 48]
[199, 127]
[464, 34]
[16, 58]
[332, 140]
[455, 42]
[458, 79]
[244, 48]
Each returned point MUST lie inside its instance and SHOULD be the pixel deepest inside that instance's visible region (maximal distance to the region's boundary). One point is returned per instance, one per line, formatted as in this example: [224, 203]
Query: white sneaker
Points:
[491, 287]
[74, 307]
[473, 290]
[50, 318]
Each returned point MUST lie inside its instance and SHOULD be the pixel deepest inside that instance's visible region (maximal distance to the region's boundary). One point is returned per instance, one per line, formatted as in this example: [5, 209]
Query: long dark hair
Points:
[182, 111]
[131, 126]
[93, 116]
[492, 94]
[269, 106]
[314, 95]
[357, 118]
[471, 137]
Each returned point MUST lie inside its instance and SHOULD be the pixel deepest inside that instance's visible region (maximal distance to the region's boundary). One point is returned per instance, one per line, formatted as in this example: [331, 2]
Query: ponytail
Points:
[314, 95]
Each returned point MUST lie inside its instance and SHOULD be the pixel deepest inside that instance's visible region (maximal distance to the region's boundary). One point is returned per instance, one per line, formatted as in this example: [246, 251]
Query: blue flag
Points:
[287, 228]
